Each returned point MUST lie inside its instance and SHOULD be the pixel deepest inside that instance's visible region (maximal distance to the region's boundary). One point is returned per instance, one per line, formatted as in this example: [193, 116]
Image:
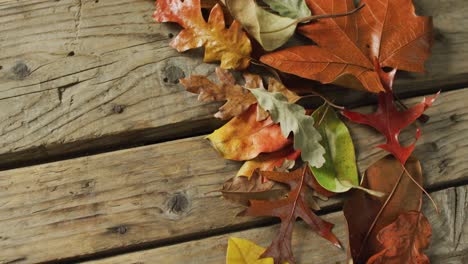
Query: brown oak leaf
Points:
[362, 209]
[237, 98]
[288, 210]
[404, 240]
[242, 189]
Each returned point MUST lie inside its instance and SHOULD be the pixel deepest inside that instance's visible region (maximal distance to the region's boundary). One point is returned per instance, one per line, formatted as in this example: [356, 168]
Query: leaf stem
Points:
[323, 116]
[314, 93]
[380, 212]
[276, 75]
[312, 18]
[422, 189]
[269, 68]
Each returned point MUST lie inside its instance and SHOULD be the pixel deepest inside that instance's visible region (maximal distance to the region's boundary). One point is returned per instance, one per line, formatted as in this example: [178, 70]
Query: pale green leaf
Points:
[270, 30]
[339, 173]
[293, 119]
[289, 8]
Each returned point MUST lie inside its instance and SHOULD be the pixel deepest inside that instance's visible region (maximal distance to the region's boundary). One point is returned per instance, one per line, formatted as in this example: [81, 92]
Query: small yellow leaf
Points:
[243, 251]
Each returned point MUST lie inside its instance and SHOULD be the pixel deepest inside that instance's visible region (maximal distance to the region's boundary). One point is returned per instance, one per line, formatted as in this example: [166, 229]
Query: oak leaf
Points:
[388, 120]
[387, 29]
[229, 45]
[404, 240]
[293, 120]
[288, 210]
[361, 209]
[242, 189]
[255, 81]
[237, 98]
[244, 138]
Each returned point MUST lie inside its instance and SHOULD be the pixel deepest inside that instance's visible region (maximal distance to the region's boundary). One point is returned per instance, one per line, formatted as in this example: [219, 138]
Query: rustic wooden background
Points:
[101, 153]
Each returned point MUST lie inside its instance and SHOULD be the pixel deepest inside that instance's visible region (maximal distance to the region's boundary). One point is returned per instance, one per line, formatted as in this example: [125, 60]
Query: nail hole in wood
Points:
[71, 53]
[118, 109]
[121, 229]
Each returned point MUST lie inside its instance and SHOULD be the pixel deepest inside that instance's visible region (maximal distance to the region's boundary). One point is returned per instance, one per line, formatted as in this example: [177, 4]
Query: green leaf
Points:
[270, 30]
[339, 173]
[289, 8]
[292, 118]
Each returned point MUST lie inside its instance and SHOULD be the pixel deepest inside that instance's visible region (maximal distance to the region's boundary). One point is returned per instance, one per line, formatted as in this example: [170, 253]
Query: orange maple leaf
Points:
[388, 30]
[229, 45]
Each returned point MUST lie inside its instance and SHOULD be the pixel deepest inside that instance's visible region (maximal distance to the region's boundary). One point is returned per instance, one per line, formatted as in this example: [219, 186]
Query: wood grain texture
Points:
[449, 239]
[161, 193]
[77, 75]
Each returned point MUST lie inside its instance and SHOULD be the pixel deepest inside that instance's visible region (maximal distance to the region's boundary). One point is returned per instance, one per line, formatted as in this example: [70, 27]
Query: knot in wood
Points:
[21, 70]
[178, 204]
[173, 74]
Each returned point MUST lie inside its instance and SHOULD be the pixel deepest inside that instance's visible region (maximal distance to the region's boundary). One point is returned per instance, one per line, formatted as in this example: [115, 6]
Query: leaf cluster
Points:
[273, 133]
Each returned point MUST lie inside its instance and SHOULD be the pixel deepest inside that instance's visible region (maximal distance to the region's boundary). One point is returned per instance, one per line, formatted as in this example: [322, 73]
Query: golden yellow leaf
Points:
[230, 45]
[243, 251]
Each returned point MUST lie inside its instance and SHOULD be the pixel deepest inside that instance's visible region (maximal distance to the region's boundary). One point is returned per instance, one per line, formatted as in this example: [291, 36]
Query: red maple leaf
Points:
[388, 120]
[288, 210]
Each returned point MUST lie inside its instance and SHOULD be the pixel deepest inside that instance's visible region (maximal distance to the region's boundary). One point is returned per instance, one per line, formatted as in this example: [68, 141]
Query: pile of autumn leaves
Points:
[274, 134]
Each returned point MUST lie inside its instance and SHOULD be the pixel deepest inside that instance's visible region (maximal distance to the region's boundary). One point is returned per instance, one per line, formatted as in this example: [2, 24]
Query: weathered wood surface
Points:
[159, 193]
[77, 75]
[449, 239]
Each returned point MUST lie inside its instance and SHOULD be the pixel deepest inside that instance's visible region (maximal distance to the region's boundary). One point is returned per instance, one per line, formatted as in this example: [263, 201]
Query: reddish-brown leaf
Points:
[404, 240]
[229, 45]
[288, 210]
[361, 209]
[242, 189]
[388, 120]
[387, 29]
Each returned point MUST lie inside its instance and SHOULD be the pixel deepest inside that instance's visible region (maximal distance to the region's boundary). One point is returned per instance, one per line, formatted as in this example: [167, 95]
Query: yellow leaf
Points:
[243, 251]
[230, 45]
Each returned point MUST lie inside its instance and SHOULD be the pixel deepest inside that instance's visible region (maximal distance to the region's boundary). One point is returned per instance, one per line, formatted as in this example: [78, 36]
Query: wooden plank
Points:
[160, 193]
[449, 239]
[77, 75]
